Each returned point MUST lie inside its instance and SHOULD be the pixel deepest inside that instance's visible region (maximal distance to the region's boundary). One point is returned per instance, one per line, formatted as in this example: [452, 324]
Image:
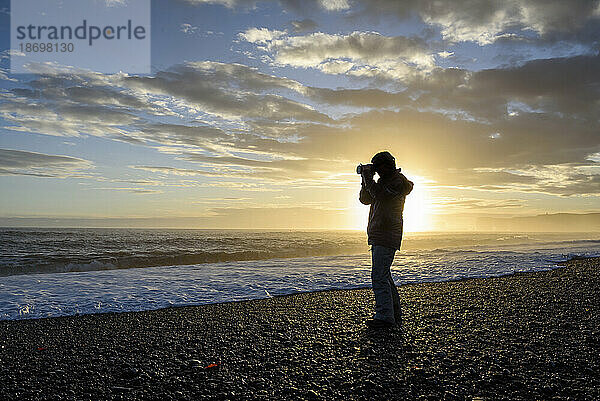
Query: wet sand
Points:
[521, 337]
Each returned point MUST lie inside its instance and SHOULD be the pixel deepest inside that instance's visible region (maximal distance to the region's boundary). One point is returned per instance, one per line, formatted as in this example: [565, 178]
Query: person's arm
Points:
[364, 197]
[378, 191]
[381, 191]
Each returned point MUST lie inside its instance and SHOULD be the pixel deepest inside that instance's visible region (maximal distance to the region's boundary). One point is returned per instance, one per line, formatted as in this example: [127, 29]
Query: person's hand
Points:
[367, 175]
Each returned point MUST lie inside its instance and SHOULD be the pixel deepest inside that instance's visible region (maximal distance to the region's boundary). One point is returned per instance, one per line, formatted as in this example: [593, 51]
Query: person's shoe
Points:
[379, 324]
[398, 319]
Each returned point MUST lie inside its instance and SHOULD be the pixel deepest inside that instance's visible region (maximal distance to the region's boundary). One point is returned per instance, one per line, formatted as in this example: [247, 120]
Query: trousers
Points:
[387, 300]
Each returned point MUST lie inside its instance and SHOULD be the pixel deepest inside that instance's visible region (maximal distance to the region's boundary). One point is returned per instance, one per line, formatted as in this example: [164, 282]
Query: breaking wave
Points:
[128, 262]
[34, 251]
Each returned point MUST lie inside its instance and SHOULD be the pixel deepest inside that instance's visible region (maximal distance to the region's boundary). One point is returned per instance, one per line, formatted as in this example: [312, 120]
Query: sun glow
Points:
[418, 208]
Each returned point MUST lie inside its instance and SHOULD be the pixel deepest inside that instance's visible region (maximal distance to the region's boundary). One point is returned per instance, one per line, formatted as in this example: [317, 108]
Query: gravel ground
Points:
[532, 336]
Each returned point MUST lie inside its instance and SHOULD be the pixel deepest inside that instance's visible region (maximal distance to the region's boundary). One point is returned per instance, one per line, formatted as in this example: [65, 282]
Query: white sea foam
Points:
[134, 289]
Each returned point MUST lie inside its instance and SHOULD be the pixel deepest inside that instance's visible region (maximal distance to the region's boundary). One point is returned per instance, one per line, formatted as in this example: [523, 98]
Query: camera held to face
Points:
[365, 168]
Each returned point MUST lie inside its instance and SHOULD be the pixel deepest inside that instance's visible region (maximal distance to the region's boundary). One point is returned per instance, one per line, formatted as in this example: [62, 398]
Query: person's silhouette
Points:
[386, 197]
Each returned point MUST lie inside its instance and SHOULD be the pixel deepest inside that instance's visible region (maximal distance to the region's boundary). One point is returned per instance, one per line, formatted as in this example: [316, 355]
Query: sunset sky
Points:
[257, 113]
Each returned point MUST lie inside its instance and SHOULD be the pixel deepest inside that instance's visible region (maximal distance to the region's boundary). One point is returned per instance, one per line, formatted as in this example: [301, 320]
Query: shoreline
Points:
[268, 296]
[559, 265]
[521, 336]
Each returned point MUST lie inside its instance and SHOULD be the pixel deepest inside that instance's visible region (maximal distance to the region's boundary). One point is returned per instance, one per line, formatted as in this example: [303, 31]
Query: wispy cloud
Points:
[133, 190]
[479, 204]
[18, 162]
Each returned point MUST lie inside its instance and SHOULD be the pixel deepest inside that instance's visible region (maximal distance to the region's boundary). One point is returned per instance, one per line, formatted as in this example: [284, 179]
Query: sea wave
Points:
[34, 251]
[46, 264]
[28, 296]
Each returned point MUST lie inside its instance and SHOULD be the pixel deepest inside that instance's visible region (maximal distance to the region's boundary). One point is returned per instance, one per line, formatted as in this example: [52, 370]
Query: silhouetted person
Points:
[386, 197]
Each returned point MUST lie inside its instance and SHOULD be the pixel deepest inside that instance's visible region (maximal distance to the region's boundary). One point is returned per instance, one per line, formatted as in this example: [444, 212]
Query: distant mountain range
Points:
[543, 222]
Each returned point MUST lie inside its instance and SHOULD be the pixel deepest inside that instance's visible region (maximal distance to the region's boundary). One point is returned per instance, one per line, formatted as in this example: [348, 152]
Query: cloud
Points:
[360, 54]
[188, 29]
[305, 167]
[139, 191]
[486, 130]
[172, 170]
[65, 103]
[451, 152]
[336, 67]
[303, 25]
[4, 58]
[440, 141]
[229, 91]
[453, 106]
[480, 204]
[18, 162]
[226, 3]
[222, 177]
[295, 5]
[487, 21]
[334, 5]
[217, 88]
[311, 172]
[483, 22]
[476, 178]
[61, 119]
[568, 179]
[260, 35]
[179, 134]
[581, 184]
[568, 87]
[360, 98]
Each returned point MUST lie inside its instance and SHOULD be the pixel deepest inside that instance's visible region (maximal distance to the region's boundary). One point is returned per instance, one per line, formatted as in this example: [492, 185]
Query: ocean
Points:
[56, 272]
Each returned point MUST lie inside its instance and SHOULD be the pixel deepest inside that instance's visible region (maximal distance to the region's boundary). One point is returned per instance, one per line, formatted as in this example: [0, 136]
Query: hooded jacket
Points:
[386, 197]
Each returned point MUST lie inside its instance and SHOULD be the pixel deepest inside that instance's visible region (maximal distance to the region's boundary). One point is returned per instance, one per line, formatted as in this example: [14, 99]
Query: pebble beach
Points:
[527, 336]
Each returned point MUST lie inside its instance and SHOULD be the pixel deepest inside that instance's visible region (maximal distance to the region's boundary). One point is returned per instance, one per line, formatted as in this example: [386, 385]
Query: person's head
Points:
[384, 163]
